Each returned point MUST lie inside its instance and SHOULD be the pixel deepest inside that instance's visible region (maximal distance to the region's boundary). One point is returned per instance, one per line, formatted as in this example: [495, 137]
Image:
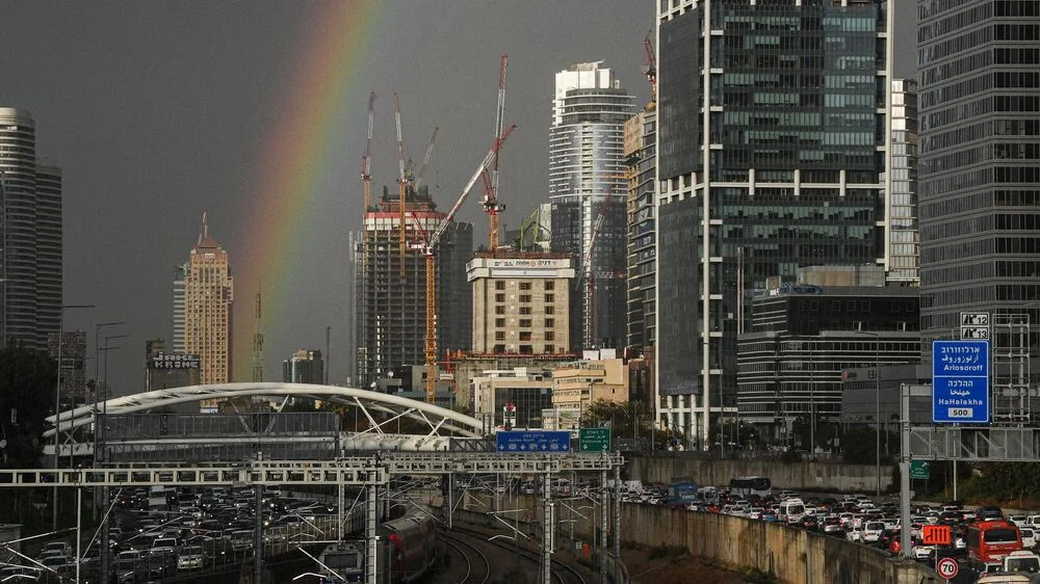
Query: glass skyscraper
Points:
[588, 180]
[31, 247]
[772, 151]
[979, 99]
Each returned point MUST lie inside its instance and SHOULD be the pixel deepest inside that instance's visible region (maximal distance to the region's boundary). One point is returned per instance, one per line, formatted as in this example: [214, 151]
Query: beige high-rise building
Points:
[521, 302]
[208, 295]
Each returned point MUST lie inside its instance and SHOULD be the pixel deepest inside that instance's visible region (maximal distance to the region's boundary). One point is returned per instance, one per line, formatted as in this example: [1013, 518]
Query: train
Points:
[407, 546]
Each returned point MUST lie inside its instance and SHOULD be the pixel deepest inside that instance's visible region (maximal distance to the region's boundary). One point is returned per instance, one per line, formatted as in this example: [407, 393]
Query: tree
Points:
[27, 380]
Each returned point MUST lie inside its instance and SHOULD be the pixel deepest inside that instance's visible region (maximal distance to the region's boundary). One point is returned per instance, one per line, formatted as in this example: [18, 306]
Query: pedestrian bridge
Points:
[439, 424]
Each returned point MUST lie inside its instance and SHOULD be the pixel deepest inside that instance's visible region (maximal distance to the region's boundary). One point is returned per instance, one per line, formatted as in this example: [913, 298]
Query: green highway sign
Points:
[920, 469]
[594, 440]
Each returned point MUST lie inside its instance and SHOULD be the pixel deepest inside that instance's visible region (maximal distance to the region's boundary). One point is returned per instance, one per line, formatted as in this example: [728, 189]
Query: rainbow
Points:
[294, 155]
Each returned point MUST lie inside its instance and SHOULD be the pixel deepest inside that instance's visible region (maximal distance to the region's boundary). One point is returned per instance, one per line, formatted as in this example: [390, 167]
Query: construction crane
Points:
[650, 66]
[426, 159]
[366, 159]
[429, 251]
[402, 180]
[490, 203]
[590, 284]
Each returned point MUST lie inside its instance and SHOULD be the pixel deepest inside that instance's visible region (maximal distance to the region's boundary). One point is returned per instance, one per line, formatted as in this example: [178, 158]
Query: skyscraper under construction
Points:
[390, 288]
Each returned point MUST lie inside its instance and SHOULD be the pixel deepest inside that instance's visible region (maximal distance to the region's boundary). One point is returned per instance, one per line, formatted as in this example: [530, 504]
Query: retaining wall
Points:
[794, 556]
[819, 476]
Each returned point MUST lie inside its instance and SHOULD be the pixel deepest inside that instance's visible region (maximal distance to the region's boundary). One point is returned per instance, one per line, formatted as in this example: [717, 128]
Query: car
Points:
[988, 512]
[923, 552]
[872, 531]
[1028, 537]
[1018, 519]
[190, 558]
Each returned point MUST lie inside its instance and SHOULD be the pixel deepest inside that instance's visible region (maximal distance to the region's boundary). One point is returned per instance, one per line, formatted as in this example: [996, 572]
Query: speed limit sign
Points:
[948, 568]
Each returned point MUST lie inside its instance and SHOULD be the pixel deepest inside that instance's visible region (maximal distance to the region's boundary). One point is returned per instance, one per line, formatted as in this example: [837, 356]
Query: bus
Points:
[747, 486]
[990, 541]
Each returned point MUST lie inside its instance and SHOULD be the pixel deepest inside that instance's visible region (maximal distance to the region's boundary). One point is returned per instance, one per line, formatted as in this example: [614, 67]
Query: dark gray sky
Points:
[157, 110]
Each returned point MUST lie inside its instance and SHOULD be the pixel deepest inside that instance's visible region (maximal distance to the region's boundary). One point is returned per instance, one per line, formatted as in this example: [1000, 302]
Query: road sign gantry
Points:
[347, 471]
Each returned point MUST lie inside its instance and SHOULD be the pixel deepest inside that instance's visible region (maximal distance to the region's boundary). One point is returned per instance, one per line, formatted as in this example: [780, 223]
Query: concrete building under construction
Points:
[390, 287]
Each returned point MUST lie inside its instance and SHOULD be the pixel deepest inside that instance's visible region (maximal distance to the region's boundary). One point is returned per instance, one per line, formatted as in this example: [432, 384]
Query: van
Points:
[791, 510]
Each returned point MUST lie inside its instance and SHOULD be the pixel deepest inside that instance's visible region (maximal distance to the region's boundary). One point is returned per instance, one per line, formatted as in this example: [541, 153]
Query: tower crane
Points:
[590, 284]
[490, 203]
[429, 251]
[366, 159]
[426, 158]
[402, 180]
[650, 66]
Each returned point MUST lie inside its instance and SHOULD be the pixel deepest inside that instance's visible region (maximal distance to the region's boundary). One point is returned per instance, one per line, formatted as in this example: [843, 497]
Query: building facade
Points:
[640, 138]
[512, 398]
[304, 366]
[579, 384]
[390, 290]
[979, 176]
[587, 181]
[73, 365]
[803, 337]
[180, 276]
[208, 298]
[904, 234]
[31, 259]
[521, 302]
[771, 153]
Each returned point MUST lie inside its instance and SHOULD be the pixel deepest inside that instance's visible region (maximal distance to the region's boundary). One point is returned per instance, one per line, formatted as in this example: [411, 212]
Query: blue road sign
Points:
[533, 441]
[960, 381]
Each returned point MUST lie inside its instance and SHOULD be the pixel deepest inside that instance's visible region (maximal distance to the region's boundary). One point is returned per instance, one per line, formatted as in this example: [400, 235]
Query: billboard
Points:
[173, 361]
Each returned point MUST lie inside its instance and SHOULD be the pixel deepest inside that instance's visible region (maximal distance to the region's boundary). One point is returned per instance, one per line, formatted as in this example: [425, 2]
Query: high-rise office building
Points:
[390, 291]
[48, 249]
[771, 152]
[180, 276]
[208, 297]
[904, 234]
[31, 256]
[587, 181]
[305, 366]
[640, 131]
[979, 176]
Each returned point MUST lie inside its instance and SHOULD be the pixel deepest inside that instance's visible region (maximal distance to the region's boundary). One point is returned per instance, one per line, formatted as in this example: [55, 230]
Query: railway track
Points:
[562, 573]
[478, 567]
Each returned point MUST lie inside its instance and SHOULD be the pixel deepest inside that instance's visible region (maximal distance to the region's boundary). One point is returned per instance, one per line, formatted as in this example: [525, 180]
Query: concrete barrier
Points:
[819, 476]
[793, 556]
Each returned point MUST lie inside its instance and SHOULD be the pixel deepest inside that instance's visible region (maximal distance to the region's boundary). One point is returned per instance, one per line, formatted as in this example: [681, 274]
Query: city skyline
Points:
[129, 136]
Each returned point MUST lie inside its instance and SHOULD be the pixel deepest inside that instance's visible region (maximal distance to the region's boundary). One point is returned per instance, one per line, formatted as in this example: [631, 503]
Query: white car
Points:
[923, 552]
[873, 531]
[1018, 520]
[1028, 537]
[854, 534]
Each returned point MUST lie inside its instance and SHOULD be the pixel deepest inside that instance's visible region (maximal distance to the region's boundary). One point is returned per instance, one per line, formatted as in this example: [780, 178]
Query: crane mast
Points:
[429, 250]
[650, 66]
[590, 284]
[402, 181]
[366, 159]
[491, 205]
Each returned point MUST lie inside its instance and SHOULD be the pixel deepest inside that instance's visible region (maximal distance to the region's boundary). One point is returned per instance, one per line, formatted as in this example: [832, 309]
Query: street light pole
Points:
[877, 412]
[57, 406]
[97, 355]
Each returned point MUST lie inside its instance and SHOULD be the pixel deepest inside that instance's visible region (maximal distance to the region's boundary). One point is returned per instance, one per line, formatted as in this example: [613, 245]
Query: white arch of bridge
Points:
[436, 418]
